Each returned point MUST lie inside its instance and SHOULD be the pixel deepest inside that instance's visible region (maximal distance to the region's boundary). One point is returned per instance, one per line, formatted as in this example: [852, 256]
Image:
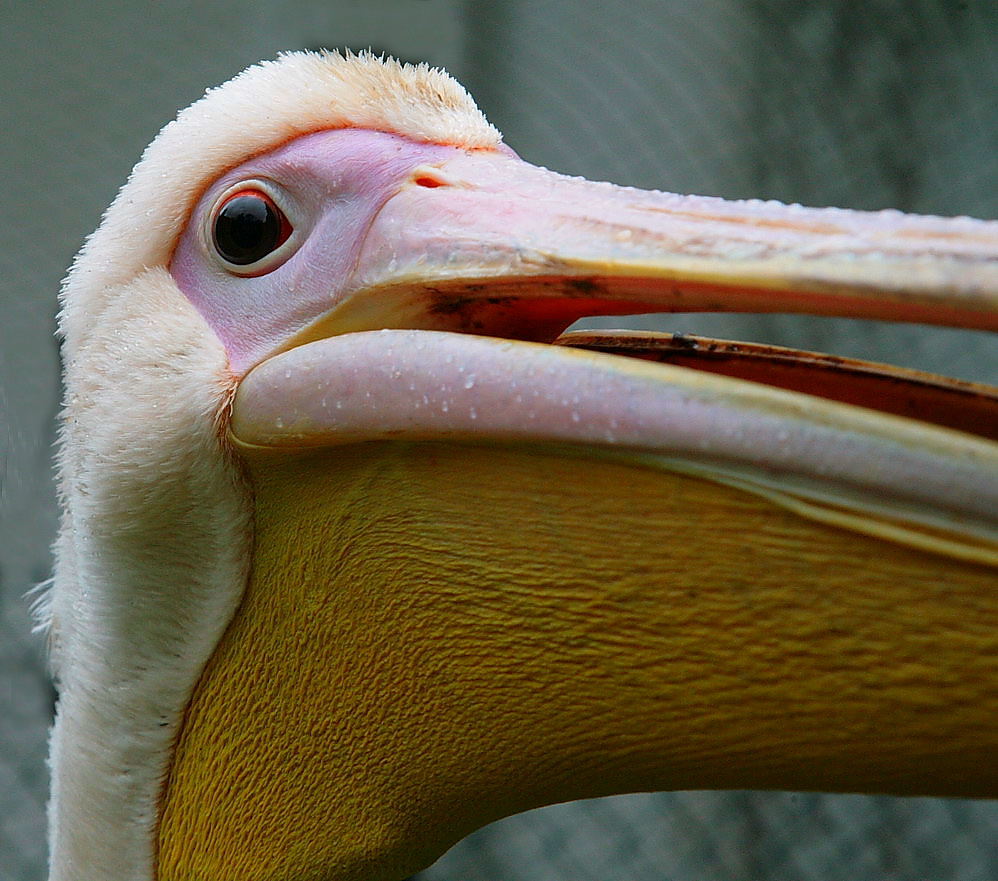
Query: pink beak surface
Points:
[485, 242]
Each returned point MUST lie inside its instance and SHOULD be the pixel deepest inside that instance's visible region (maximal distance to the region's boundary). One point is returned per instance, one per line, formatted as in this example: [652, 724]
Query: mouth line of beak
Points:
[506, 250]
[931, 398]
[541, 309]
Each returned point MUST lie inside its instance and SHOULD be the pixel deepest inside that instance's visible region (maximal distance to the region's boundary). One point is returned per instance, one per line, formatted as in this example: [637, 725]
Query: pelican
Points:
[360, 552]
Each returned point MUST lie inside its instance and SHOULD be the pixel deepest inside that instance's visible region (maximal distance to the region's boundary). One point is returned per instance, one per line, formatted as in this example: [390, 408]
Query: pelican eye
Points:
[248, 227]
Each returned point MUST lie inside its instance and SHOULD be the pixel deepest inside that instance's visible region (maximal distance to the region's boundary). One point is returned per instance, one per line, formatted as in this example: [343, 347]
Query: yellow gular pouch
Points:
[436, 635]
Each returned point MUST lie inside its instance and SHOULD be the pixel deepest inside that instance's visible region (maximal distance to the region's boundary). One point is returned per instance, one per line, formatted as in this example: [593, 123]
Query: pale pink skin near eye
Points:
[330, 185]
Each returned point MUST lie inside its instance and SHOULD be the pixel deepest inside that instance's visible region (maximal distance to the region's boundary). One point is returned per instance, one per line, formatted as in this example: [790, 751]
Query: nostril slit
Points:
[426, 180]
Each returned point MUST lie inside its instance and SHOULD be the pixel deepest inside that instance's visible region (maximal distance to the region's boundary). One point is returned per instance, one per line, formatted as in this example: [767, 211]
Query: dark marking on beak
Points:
[586, 287]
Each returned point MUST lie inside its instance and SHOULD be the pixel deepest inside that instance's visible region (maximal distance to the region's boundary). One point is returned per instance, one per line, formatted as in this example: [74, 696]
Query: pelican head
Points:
[360, 552]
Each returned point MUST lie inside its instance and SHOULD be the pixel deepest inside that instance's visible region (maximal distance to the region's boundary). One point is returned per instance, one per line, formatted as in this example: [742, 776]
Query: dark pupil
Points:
[246, 229]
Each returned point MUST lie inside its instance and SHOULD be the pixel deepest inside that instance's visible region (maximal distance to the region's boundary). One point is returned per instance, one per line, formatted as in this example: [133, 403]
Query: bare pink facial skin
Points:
[330, 185]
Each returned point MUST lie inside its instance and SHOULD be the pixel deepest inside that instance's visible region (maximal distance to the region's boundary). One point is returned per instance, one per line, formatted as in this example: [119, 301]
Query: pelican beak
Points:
[488, 243]
[485, 244]
[492, 573]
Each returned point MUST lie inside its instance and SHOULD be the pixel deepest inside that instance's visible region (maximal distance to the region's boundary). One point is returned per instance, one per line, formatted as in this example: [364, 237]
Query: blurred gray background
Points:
[882, 103]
